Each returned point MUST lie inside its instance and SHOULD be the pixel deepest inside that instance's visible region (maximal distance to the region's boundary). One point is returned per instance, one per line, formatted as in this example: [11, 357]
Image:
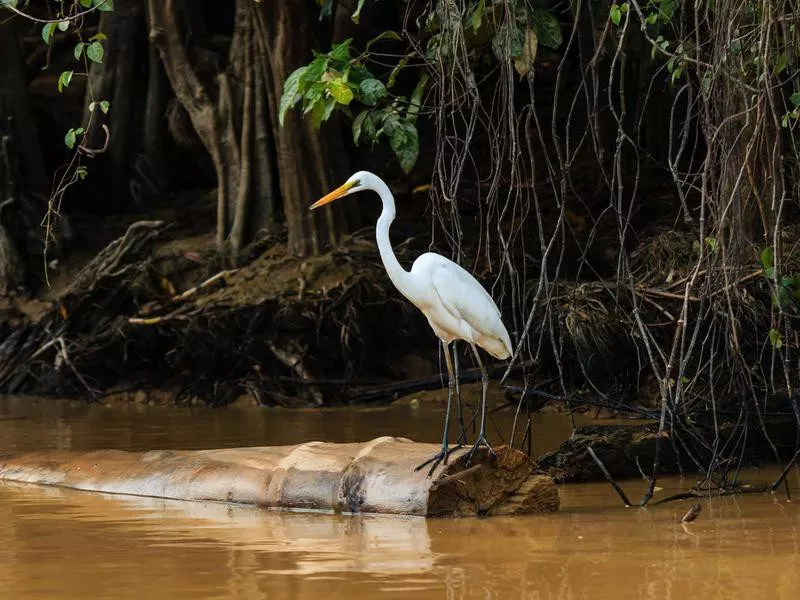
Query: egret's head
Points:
[357, 182]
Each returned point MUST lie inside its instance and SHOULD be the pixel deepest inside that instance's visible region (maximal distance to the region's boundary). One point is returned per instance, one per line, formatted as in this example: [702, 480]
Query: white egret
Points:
[456, 305]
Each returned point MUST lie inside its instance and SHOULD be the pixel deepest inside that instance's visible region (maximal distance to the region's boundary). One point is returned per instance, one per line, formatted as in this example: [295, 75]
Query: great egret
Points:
[456, 305]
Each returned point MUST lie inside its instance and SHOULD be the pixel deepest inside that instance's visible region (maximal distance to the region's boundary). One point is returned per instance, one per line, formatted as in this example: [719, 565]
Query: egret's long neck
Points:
[399, 276]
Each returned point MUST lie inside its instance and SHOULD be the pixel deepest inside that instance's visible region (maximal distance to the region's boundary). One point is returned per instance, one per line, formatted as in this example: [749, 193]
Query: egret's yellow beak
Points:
[335, 194]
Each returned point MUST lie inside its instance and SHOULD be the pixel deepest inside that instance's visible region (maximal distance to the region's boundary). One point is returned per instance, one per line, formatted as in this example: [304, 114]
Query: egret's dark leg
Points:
[445, 451]
[462, 428]
[481, 441]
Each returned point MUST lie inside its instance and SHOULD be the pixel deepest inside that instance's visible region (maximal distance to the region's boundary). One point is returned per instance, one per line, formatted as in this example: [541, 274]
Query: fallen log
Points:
[371, 477]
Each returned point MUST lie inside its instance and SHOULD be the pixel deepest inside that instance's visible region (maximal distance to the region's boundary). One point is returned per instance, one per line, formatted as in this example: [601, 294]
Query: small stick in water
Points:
[785, 472]
[608, 477]
[693, 513]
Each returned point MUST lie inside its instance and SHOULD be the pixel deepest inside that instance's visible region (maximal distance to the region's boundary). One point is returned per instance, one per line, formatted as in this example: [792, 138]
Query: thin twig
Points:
[608, 477]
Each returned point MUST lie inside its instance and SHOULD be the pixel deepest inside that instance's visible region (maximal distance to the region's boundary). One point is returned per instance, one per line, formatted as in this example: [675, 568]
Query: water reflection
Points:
[65, 542]
[59, 543]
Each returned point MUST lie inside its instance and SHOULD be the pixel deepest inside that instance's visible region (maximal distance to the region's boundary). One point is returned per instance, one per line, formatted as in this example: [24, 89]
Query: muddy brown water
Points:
[58, 543]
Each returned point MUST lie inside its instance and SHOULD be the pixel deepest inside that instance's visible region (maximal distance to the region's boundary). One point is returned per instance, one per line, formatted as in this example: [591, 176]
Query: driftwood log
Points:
[371, 477]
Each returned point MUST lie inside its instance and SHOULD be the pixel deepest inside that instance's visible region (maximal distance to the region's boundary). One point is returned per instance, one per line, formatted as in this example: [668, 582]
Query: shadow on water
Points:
[59, 543]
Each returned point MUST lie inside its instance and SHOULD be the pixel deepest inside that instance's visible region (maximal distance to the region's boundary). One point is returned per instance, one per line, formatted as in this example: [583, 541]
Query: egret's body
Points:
[455, 303]
[459, 307]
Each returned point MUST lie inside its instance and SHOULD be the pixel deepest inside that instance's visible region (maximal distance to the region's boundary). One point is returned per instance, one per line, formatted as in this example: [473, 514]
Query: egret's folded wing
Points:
[465, 298]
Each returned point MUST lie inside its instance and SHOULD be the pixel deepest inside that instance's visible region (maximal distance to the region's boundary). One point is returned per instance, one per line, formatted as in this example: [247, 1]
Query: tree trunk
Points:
[229, 118]
[310, 163]
[14, 93]
[115, 80]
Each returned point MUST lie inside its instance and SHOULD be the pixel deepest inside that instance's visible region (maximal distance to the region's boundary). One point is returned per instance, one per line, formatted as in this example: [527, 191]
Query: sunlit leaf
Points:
[64, 80]
[341, 51]
[47, 32]
[615, 14]
[340, 91]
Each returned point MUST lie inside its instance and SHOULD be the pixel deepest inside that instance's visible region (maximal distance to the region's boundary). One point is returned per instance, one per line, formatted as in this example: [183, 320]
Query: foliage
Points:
[70, 15]
[337, 79]
[340, 78]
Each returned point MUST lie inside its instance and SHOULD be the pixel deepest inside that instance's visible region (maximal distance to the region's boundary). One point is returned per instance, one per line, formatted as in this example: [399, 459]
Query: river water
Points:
[65, 544]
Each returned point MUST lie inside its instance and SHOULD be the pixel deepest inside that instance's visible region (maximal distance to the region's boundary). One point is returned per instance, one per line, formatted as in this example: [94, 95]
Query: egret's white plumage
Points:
[456, 305]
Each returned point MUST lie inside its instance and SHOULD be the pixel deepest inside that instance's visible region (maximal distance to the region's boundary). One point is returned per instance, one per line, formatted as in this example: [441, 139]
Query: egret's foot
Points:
[437, 458]
[481, 442]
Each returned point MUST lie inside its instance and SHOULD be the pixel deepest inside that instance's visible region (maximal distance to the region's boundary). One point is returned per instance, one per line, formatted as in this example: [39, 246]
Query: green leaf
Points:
[780, 64]
[712, 243]
[358, 124]
[321, 110]
[315, 69]
[315, 92]
[70, 138]
[63, 25]
[82, 172]
[340, 91]
[64, 79]
[11, 3]
[615, 14]
[290, 95]
[341, 51]
[106, 6]
[373, 122]
[47, 32]
[98, 37]
[795, 99]
[103, 104]
[477, 16]
[507, 43]
[86, 3]
[386, 35]
[766, 259]
[775, 338]
[404, 140]
[416, 98]
[547, 28]
[400, 66]
[357, 14]
[79, 50]
[95, 52]
[370, 91]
